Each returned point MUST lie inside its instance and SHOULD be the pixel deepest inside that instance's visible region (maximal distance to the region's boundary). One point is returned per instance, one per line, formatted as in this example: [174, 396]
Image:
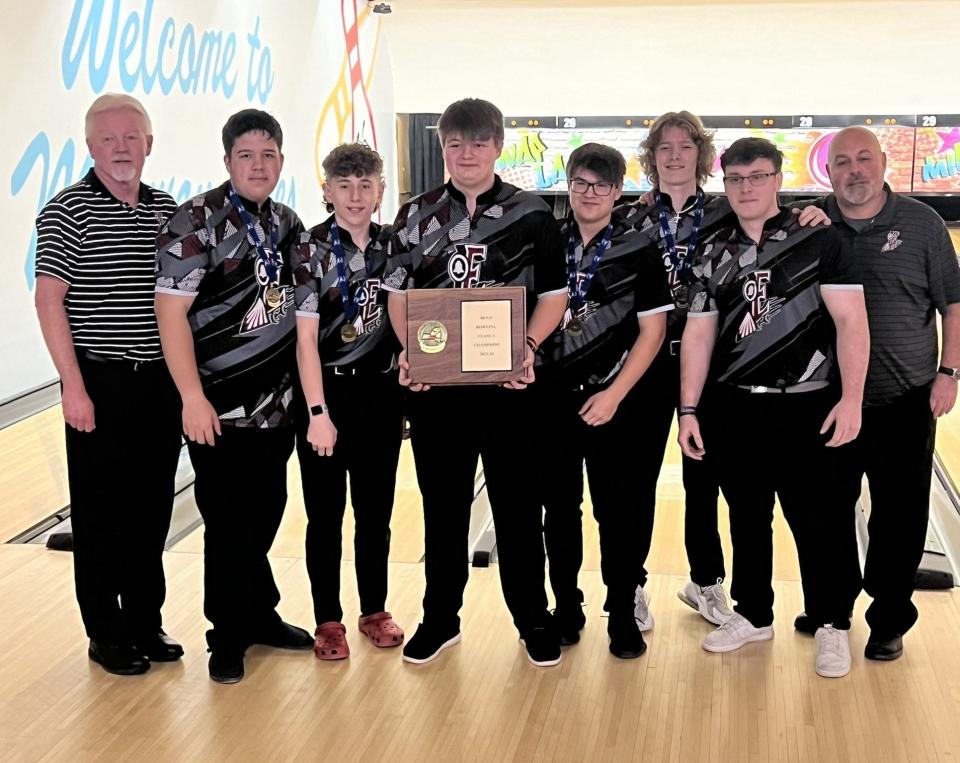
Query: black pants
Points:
[121, 478]
[450, 429]
[770, 444]
[895, 451]
[622, 460]
[241, 491]
[661, 384]
[366, 409]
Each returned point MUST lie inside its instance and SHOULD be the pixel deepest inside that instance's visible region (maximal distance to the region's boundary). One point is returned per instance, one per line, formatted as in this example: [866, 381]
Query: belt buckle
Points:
[339, 371]
[674, 347]
[758, 389]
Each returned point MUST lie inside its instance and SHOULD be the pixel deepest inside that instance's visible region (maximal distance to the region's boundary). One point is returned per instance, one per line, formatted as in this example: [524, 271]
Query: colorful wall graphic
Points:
[534, 158]
[318, 65]
[937, 164]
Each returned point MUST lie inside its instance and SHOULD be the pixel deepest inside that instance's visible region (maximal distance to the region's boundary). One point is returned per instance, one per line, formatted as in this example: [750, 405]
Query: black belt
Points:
[106, 360]
[355, 370]
[809, 386]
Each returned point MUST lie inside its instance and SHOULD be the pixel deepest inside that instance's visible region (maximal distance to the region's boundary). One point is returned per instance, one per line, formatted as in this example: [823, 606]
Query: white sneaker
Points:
[710, 601]
[833, 652]
[641, 610]
[734, 633]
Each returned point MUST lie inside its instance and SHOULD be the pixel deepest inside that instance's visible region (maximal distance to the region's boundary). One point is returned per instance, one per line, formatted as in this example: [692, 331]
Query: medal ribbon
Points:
[269, 260]
[350, 306]
[682, 267]
[578, 293]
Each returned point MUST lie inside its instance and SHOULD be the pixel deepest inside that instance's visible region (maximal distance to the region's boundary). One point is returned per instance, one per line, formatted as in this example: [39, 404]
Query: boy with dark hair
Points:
[477, 231]
[589, 407]
[353, 419]
[773, 358]
[225, 309]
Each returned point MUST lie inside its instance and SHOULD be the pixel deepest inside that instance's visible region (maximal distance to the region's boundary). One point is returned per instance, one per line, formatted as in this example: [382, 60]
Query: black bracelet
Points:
[532, 343]
[687, 408]
[687, 413]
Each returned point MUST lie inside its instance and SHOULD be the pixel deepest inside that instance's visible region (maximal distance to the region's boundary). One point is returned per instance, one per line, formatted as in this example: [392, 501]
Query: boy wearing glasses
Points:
[777, 326]
[590, 410]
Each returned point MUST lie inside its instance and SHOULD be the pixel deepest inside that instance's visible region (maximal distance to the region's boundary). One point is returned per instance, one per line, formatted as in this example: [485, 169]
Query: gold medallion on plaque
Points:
[432, 337]
[274, 297]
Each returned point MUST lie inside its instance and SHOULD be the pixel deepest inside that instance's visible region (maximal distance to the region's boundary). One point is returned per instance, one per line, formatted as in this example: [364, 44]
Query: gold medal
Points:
[575, 327]
[432, 337]
[348, 333]
[274, 297]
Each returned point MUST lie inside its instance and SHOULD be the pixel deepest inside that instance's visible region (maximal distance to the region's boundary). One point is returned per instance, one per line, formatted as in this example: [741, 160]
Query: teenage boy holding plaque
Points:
[589, 407]
[477, 231]
[353, 420]
[225, 311]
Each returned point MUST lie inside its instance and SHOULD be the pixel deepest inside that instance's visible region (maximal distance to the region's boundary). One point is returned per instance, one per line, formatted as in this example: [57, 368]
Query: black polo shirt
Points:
[244, 327]
[318, 296]
[646, 219]
[512, 239]
[105, 250]
[628, 284]
[774, 329]
[910, 272]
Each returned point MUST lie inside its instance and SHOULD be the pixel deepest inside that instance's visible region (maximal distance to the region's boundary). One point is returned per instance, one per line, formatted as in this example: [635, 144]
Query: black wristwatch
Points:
[953, 373]
[318, 410]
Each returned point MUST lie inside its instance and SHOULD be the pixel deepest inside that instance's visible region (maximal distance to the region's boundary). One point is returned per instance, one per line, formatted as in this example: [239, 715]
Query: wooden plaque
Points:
[466, 336]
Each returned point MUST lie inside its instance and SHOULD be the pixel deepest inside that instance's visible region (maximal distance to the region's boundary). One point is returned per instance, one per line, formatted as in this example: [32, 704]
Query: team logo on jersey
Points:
[432, 337]
[369, 312]
[676, 286]
[463, 266]
[762, 306]
[271, 302]
[893, 241]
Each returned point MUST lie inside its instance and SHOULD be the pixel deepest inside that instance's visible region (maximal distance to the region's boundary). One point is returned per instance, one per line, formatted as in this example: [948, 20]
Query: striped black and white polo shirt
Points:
[105, 250]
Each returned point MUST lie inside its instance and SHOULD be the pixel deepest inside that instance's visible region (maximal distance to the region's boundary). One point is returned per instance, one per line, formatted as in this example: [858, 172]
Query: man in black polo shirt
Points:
[592, 407]
[225, 307]
[95, 255]
[776, 312]
[346, 352]
[477, 231]
[909, 268]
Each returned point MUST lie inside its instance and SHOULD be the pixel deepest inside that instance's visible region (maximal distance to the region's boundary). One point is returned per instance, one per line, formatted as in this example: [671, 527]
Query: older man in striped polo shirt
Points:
[95, 282]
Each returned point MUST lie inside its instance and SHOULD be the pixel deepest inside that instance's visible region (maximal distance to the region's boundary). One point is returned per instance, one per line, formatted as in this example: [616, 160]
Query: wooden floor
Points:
[482, 700]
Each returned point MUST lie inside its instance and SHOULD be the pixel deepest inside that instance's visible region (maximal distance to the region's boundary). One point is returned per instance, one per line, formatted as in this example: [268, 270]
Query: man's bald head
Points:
[856, 165]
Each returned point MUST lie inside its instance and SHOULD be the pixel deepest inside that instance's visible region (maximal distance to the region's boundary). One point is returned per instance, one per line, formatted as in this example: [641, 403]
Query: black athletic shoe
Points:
[626, 641]
[119, 659]
[543, 646]
[159, 647]
[282, 635]
[568, 623]
[226, 666]
[884, 648]
[427, 643]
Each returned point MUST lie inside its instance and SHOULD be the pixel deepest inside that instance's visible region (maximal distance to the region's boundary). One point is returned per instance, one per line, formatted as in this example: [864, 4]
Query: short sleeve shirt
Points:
[910, 272]
[628, 283]
[105, 251]
[243, 323]
[774, 329]
[512, 239]
[646, 219]
[319, 296]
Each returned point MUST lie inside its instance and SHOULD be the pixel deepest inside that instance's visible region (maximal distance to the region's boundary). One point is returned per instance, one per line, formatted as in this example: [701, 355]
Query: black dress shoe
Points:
[160, 648]
[282, 635]
[884, 648]
[226, 666]
[568, 623]
[119, 659]
[626, 641]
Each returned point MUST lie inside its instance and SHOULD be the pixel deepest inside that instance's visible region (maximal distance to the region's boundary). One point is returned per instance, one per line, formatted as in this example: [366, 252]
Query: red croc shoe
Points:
[381, 629]
[331, 642]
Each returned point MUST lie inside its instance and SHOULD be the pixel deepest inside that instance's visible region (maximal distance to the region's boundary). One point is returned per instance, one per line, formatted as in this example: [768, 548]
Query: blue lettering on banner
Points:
[191, 63]
[62, 174]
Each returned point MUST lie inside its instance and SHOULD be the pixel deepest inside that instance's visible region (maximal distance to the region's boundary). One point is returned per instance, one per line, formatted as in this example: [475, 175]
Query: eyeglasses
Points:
[601, 188]
[755, 180]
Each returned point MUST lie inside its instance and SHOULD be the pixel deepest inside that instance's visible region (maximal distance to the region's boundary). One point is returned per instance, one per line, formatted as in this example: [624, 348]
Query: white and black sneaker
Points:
[710, 601]
[641, 610]
[543, 646]
[427, 643]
